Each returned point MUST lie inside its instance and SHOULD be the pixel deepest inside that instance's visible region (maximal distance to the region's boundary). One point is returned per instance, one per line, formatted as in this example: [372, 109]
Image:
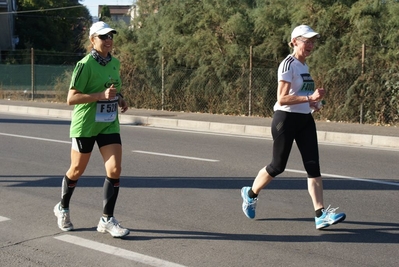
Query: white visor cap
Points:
[304, 31]
[101, 28]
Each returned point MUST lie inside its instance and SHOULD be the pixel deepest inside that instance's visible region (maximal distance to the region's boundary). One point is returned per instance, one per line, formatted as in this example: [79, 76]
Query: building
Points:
[7, 26]
[118, 12]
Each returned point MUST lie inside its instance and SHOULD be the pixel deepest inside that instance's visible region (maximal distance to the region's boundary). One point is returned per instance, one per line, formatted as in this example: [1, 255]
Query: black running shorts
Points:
[86, 144]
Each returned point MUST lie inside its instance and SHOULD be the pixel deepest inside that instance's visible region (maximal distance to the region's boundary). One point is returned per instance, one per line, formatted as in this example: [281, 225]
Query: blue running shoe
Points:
[248, 204]
[329, 217]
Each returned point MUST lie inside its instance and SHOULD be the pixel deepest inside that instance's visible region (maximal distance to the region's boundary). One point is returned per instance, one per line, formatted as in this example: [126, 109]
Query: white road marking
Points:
[204, 132]
[36, 138]
[173, 156]
[246, 136]
[123, 253]
[349, 178]
[212, 160]
[2, 219]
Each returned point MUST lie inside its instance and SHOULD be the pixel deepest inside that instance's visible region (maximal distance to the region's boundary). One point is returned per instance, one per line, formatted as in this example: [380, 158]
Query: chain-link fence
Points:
[249, 92]
[351, 96]
[243, 92]
[32, 82]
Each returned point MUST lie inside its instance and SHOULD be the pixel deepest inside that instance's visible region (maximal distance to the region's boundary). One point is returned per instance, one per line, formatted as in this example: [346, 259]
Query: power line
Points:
[41, 10]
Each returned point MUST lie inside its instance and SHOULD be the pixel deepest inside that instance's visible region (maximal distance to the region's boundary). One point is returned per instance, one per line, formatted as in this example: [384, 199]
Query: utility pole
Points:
[32, 73]
[363, 70]
[250, 83]
[163, 81]
[363, 57]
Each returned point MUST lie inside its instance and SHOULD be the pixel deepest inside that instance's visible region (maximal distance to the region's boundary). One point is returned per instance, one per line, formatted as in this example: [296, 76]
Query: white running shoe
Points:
[63, 218]
[113, 227]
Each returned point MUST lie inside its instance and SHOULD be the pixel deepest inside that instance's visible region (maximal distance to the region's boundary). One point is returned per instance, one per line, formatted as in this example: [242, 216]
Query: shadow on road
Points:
[375, 232]
[282, 183]
[350, 231]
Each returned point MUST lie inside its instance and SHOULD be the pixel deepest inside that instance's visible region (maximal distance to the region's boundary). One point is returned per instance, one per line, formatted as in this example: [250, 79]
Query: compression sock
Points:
[251, 194]
[319, 212]
[111, 190]
[68, 186]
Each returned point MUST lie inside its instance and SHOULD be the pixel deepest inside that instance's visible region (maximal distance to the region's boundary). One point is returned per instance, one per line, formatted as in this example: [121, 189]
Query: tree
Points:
[202, 49]
[105, 13]
[51, 25]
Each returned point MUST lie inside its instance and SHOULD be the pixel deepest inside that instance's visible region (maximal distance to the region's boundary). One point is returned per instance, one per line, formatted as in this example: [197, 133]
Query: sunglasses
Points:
[106, 36]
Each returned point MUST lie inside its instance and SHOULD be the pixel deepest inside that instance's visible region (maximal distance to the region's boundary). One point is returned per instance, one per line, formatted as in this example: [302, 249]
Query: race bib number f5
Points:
[107, 110]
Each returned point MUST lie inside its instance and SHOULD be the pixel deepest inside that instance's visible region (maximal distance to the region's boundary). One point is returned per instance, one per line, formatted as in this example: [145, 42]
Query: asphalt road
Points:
[180, 197]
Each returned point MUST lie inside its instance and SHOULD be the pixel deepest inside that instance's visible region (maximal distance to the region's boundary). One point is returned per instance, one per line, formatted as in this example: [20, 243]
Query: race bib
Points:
[308, 83]
[107, 110]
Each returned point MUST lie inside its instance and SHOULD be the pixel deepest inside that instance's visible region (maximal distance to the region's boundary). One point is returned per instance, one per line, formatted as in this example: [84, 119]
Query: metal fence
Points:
[351, 98]
[244, 92]
[36, 80]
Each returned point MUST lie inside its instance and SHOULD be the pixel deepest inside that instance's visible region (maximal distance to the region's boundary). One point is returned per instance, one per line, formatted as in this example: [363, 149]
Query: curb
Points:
[217, 127]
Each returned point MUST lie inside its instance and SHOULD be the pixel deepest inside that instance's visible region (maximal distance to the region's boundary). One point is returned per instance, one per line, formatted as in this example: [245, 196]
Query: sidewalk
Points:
[332, 132]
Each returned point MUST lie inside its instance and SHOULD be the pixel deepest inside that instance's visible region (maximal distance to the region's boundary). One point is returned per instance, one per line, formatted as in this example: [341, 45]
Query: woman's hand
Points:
[110, 93]
[122, 103]
[317, 96]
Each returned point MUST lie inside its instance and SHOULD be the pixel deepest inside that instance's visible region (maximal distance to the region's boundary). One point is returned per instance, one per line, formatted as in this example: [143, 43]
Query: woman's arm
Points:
[76, 97]
[284, 98]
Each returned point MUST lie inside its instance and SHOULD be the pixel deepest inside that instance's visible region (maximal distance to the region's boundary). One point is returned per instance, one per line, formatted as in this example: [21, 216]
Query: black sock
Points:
[251, 194]
[68, 186]
[319, 212]
[111, 190]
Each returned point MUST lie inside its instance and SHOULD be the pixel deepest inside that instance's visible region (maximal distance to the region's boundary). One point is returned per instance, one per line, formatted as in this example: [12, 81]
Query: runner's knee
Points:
[114, 171]
[273, 171]
[312, 168]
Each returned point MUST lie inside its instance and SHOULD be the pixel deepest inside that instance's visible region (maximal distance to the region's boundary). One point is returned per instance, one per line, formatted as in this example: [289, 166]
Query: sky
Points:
[92, 5]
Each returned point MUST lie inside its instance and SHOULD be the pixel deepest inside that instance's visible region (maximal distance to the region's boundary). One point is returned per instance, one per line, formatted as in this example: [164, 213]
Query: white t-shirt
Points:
[293, 71]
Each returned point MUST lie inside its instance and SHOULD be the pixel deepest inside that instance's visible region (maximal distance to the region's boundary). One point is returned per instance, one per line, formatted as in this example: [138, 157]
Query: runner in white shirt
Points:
[297, 97]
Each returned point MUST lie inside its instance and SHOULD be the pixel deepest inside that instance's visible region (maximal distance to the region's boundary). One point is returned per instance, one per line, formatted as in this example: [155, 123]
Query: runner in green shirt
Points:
[95, 93]
[93, 118]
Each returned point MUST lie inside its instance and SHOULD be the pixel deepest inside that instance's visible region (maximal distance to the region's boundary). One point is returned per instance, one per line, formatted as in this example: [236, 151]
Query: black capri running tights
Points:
[287, 127]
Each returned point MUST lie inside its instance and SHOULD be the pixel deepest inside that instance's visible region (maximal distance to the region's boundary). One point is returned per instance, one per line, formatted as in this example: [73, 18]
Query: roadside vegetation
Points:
[222, 56]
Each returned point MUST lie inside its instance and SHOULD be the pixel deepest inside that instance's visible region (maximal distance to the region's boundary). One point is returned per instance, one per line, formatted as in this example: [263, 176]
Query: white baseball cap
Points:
[304, 31]
[100, 28]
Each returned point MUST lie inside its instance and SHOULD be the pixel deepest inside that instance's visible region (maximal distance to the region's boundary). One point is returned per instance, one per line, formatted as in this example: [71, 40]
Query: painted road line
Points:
[349, 178]
[213, 160]
[2, 219]
[173, 156]
[123, 253]
[35, 138]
